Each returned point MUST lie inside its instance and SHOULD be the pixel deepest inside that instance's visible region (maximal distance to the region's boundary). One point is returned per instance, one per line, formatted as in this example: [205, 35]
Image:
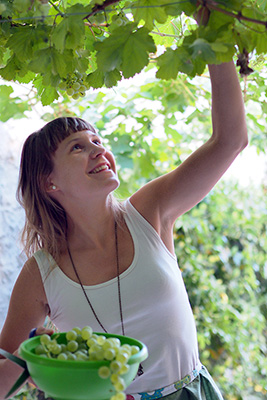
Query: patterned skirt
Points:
[197, 386]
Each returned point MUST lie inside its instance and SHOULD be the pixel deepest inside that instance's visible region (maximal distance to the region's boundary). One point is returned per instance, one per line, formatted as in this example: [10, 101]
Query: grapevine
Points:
[72, 46]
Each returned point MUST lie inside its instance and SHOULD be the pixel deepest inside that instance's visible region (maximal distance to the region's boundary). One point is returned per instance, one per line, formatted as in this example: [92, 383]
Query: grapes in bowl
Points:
[83, 365]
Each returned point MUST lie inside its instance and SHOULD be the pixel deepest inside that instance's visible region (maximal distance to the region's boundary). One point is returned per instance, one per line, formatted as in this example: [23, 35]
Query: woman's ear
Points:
[50, 187]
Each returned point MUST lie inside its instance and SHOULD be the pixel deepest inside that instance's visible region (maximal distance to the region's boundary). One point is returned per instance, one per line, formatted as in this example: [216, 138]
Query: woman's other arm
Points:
[27, 309]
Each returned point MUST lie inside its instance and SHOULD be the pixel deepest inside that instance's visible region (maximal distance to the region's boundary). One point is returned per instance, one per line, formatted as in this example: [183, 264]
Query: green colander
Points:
[74, 380]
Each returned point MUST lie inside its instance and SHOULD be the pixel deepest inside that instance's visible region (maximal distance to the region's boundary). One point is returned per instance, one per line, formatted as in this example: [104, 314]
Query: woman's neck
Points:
[90, 226]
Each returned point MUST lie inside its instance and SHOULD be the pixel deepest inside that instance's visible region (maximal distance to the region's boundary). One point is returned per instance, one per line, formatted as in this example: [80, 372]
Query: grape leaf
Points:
[109, 51]
[111, 78]
[261, 45]
[21, 42]
[59, 34]
[150, 11]
[58, 64]
[126, 48]
[70, 32]
[48, 96]
[41, 60]
[176, 8]
[11, 69]
[173, 61]
[136, 51]
[201, 48]
[95, 79]
[21, 5]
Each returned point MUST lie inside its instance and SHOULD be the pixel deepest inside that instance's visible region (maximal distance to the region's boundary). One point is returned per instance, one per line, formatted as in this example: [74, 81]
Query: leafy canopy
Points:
[72, 45]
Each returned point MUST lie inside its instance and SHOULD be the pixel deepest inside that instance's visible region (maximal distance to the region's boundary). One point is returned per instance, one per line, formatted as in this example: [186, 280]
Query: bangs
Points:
[57, 130]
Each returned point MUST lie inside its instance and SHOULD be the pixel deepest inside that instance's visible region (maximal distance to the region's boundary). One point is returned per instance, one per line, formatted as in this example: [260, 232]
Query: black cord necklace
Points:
[140, 369]
[118, 282]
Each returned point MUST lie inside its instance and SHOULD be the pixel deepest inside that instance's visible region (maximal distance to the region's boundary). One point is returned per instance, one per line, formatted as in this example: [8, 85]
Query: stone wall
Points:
[12, 136]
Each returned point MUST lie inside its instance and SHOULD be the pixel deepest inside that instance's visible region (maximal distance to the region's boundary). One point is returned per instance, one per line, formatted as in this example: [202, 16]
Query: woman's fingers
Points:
[42, 330]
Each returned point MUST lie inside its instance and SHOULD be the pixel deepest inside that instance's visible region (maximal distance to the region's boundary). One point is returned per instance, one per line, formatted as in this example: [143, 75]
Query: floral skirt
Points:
[198, 385]
[202, 387]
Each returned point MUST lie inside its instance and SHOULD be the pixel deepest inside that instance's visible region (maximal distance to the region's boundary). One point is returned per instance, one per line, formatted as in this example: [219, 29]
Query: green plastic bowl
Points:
[76, 380]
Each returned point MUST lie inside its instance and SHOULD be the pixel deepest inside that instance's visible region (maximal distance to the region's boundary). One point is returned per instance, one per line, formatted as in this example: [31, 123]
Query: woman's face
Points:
[82, 167]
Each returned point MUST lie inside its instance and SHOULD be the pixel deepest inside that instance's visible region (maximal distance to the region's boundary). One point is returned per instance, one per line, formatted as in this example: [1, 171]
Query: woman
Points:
[112, 266]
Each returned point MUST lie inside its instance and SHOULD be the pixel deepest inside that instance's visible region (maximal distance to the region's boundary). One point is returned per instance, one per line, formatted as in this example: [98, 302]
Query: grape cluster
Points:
[75, 85]
[84, 345]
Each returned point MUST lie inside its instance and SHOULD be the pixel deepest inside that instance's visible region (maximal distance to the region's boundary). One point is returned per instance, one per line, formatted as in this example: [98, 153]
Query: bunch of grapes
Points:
[84, 345]
[75, 85]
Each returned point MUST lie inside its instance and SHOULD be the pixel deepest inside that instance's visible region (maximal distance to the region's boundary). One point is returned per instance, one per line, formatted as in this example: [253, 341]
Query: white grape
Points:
[71, 335]
[45, 339]
[134, 349]
[72, 346]
[104, 372]
[122, 357]
[120, 385]
[62, 356]
[115, 366]
[109, 354]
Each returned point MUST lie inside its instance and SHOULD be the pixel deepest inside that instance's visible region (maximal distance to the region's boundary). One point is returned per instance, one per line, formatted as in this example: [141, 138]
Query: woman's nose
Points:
[96, 150]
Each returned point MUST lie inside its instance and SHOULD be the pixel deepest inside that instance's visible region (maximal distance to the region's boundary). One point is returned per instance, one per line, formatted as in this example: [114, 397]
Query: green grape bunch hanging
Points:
[74, 85]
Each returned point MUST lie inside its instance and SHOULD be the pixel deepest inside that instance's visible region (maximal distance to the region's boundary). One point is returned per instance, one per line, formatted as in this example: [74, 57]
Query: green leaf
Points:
[70, 32]
[202, 49]
[58, 64]
[261, 45]
[21, 5]
[21, 42]
[41, 60]
[136, 51]
[177, 8]
[150, 11]
[127, 48]
[11, 69]
[95, 79]
[48, 96]
[111, 78]
[58, 37]
[173, 61]
[109, 51]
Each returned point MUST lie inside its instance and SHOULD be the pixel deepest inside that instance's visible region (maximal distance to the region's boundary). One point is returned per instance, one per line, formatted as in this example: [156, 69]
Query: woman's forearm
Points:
[9, 373]
[228, 113]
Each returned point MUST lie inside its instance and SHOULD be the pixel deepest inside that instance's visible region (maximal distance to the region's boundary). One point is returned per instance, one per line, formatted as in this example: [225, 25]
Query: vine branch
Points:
[101, 7]
[213, 5]
[210, 4]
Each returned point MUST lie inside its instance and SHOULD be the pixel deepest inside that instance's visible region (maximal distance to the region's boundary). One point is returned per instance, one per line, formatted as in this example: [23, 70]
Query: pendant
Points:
[140, 370]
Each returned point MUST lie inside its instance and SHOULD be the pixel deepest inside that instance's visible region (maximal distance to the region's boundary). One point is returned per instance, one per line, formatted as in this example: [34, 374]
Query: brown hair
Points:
[46, 223]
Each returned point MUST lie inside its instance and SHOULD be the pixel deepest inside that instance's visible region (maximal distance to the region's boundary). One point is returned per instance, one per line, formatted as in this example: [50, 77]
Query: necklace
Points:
[140, 369]
[118, 284]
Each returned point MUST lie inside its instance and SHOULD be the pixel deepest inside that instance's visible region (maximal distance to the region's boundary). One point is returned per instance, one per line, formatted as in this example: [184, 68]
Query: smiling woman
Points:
[58, 141]
[111, 265]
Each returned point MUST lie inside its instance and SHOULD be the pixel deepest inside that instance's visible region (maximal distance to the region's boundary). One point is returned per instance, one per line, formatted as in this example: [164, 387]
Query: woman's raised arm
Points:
[164, 199]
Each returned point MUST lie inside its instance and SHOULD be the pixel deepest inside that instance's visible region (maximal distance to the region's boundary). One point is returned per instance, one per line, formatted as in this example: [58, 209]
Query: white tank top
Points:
[155, 306]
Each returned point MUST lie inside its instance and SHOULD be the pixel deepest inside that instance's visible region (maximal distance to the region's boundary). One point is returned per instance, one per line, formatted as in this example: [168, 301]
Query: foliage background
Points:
[221, 244]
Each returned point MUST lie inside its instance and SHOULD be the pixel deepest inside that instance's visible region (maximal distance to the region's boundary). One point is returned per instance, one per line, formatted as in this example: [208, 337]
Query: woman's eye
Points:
[97, 141]
[77, 146]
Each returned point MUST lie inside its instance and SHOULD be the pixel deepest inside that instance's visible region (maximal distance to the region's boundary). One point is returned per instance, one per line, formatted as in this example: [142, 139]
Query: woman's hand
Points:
[41, 330]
